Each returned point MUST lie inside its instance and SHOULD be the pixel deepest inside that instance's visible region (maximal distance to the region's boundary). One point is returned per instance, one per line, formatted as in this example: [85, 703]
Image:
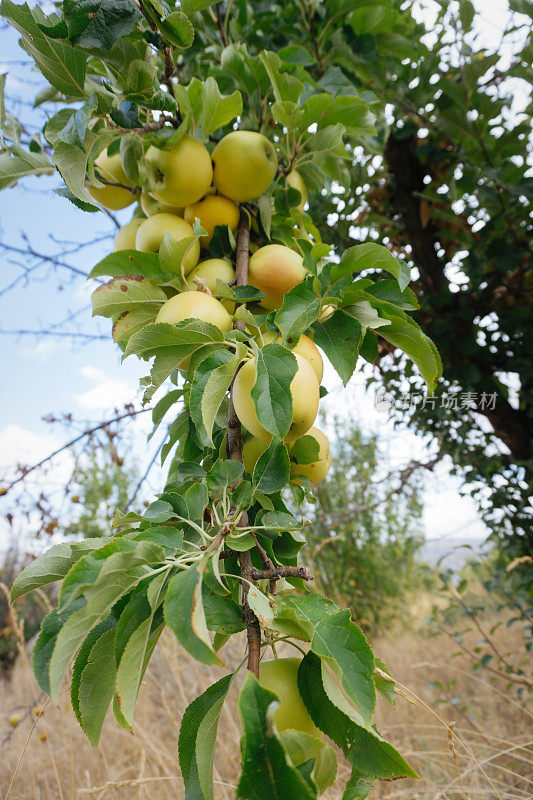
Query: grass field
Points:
[487, 754]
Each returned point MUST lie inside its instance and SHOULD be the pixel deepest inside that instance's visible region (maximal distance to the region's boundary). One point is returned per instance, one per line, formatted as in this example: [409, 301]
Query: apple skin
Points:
[152, 231]
[245, 163]
[211, 270]
[183, 174]
[150, 206]
[251, 451]
[295, 180]
[275, 269]
[111, 197]
[305, 347]
[195, 305]
[213, 210]
[280, 676]
[305, 397]
[317, 470]
[125, 238]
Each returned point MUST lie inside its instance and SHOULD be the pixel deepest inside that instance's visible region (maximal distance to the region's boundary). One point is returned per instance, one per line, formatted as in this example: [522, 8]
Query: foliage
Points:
[366, 531]
[101, 481]
[205, 556]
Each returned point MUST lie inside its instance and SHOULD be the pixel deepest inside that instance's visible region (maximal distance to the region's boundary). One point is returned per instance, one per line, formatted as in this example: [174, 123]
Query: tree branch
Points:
[234, 450]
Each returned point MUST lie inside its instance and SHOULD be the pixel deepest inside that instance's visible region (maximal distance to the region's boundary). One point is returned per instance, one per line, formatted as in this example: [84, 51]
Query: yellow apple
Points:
[152, 231]
[305, 397]
[295, 180]
[213, 210]
[305, 347]
[281, 677]
[195, 305]
[151, 206]
[275, 269]
[251, 451]
[125, 238]
[183, 174]
[317, 470]
[245, 163]
[112, 197]
[210, 271]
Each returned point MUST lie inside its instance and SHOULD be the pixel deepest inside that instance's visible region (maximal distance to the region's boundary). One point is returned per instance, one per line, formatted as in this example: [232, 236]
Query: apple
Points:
[210, 271]
[152, 231]
[275, 269]
[125, 238]
[280, 676]
[317, 470]
[305, 397]
[112, 197]
[295, 180]
[183, 173]
[251, 451]
[14, 720]
[305, 347]
[195, 305]
[245, 163]
[152, 206]
[213, 210]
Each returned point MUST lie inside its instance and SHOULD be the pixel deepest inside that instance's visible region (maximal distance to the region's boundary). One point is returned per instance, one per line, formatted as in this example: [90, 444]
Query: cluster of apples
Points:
[193, 184]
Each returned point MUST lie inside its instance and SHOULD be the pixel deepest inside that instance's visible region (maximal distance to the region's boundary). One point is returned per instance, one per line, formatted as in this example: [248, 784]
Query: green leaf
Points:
[340, 337]
[177, 29]
[210, 385]
[131, 262]
[348, 110]
[99, 23]
[365, 749]
[171, 344]
[300, 308]
[266, 769]
[53, 564]
[17, 163]
[271, 394]
[44, 645]
[407, 336]
[386, 688]
[305, 450]
[172, 252]
[344, 646]
[97, 686]
[366, 314]
[134, 659]
[190, 6]
[302, 747]
[271, 471]
[373, 257]
[358, 787]
[82, 657]
[62, 65]
[120, 572]
[390, 291]
[125, 293]
[222, 474]
[198, 736]
[74, 162]
[217, 111]
[181, 603]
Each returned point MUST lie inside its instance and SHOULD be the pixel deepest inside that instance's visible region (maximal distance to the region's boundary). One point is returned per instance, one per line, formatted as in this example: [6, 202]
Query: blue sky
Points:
[43, 375]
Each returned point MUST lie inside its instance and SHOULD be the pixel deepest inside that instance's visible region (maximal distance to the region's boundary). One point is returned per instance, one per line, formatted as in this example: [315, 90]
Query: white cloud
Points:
[19, 446]
[107, 391]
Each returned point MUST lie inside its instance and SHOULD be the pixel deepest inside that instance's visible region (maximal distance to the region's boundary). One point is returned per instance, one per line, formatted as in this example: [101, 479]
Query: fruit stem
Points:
[234, 451]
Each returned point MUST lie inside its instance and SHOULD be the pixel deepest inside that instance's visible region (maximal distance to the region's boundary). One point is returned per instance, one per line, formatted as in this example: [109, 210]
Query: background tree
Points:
[366, 530]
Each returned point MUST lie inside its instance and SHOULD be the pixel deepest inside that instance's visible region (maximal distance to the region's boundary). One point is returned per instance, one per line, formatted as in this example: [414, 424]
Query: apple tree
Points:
[222, 282]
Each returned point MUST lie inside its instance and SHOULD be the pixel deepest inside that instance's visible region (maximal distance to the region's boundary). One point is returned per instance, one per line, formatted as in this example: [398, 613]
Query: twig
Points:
[26, 470]
[281, 572]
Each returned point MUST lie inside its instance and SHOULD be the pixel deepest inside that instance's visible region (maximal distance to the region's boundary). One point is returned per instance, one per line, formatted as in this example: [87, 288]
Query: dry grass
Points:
[487, 754]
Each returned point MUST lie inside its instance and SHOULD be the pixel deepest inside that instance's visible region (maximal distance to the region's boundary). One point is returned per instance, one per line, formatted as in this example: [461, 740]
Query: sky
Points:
[43, 374]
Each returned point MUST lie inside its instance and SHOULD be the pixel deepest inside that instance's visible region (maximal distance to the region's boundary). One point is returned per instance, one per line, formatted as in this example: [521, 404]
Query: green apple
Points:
[281, 677]
[305, 396]
[152, 206]
[152, 232]
[317, 470]
[213, 210]
[183, 173]
[210, 271]
[245, 163]
[251, 451]
[125, 238]
[111, 197]
[275, 269]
